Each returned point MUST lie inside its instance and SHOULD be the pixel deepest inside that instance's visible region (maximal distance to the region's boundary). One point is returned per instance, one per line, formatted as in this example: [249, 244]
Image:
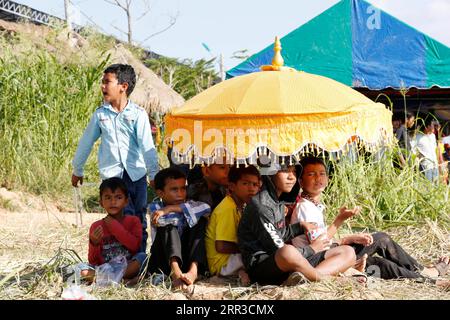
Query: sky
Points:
[231, 25]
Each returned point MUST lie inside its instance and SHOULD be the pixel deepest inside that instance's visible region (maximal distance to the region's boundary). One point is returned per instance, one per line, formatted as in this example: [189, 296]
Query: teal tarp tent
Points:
[361, 46]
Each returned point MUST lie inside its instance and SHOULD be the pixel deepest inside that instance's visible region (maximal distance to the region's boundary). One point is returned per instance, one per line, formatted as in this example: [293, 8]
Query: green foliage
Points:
[44, 107]
[389, 196]
[186, 77]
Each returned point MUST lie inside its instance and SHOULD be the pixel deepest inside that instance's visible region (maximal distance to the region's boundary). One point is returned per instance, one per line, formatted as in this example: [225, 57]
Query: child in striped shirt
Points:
[178, 247]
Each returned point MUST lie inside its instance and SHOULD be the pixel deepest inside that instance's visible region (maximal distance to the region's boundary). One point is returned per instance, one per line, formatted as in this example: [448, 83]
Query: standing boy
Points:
[222, 250]
[126, 149]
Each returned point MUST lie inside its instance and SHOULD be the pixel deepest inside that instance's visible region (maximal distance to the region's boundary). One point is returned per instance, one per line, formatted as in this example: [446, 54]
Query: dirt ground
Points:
[31, 239]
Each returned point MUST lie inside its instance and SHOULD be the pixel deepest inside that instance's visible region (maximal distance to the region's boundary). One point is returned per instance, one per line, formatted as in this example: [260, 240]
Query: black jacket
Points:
[263, 230]
[199, 191]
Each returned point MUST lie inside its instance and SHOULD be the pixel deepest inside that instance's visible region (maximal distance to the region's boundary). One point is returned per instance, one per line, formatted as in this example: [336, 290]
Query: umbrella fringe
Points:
[356, 145]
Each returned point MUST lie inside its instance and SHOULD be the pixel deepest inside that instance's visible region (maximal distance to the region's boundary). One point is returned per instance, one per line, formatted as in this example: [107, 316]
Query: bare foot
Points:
[189, 277]
[440, 268]
[179, 284]
[360, 264]
[356, 275]
[365, 239]
[177, 275]
[244, 278]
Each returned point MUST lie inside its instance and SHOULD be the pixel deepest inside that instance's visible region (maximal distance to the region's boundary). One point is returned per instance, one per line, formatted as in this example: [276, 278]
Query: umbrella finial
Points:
[277, 60]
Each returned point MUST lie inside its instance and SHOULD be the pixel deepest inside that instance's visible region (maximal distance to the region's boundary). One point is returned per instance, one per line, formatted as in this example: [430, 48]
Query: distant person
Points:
[179, 226]
[403, 137]
[224, 258]
[446, 143]
[116, 234]
[427, 151]
[126, 149]
[396, 122]
[441, 152]
[446, 154]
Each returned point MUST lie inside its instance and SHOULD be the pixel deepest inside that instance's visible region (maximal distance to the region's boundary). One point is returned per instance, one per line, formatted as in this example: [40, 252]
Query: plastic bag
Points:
[111, 273]
[73, 273]
[75, 292]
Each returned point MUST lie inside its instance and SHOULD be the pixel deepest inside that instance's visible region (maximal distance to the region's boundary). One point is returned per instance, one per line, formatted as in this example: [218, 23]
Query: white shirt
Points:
[307, 211]
[426, 146]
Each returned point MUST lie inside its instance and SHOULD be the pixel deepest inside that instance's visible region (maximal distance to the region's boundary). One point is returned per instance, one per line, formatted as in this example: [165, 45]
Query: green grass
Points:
[45, 105]
[389, 196]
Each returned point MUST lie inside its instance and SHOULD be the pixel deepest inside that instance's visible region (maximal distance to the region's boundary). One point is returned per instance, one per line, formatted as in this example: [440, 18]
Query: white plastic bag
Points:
[75, 292]
[111, 273]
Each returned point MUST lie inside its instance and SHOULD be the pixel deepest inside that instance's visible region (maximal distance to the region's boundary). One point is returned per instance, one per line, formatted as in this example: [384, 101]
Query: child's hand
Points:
[107, 220]
[96, 236]
[156, 215]
[345, 213]
[365, 239]
[321, 243]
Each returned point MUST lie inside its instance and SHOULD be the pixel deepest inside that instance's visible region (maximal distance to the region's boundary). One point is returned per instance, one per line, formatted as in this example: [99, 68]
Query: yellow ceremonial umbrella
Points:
[280, 110]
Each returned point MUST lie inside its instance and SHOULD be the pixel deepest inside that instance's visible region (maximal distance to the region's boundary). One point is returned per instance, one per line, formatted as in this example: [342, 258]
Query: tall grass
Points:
[46, 101]
[45, 105]
[389, 196]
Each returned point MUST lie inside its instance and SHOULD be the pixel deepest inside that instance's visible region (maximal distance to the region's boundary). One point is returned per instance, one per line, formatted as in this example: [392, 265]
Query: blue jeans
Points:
[432, 174]
[141, 257]
[137, 204]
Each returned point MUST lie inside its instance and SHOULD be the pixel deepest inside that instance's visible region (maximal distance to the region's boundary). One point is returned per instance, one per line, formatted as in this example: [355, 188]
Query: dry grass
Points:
[34, 246]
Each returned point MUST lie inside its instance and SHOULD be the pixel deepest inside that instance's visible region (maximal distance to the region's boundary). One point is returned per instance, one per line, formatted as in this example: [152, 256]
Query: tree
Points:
[186, 77]
[126, 6]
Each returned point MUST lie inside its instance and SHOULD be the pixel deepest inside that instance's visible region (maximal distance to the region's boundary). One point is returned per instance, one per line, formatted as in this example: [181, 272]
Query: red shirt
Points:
[122, 236]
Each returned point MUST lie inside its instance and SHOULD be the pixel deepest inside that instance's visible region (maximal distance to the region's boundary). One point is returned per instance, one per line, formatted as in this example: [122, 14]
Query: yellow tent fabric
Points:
[281, 110]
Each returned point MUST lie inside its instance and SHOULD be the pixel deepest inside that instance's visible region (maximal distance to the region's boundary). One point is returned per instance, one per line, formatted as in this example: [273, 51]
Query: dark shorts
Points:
[265, 271]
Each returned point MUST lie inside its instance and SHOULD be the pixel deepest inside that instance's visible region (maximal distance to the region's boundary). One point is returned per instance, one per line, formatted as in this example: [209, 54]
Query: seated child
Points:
[222, 251]
[393, 262]
[211, 189]
[178, 247]
[116, 234]
[263, 238]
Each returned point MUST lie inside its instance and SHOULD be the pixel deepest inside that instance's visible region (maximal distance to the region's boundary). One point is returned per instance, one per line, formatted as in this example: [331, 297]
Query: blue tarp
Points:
[362, 46]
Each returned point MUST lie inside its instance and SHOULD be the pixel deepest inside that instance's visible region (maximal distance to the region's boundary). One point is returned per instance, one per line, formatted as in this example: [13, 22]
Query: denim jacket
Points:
[126, 143]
